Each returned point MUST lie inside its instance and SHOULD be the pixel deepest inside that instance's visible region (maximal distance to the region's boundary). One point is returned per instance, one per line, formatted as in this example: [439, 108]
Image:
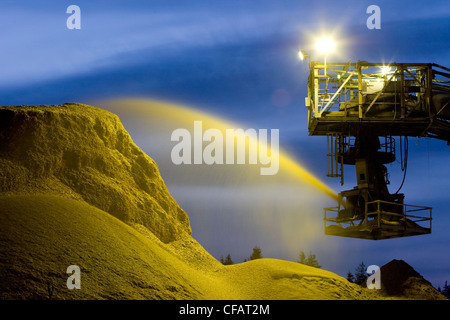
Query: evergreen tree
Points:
[256, 253]
[312, 261]
[360, 274]
[309, 261]
[350, 277]
[302, 258]
[446, 290]
[228, 260]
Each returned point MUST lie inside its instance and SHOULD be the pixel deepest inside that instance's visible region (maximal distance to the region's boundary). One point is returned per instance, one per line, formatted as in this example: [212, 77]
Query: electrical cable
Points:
[403, 161]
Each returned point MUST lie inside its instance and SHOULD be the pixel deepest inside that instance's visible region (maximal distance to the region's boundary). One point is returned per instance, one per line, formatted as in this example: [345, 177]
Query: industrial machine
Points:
[363, 108]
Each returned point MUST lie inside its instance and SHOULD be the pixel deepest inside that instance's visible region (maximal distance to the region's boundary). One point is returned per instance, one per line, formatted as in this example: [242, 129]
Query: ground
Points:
[41, 235]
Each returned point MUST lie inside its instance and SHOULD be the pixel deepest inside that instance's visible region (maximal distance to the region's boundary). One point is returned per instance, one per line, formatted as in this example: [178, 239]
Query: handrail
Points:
[336, 93]
[380, 212]
[407, 72]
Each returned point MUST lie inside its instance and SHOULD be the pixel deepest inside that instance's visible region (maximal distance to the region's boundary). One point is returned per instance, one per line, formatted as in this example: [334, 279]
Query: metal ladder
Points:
[335, 156]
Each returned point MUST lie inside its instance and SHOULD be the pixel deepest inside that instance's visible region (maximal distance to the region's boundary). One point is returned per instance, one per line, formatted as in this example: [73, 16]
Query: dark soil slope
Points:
[398, 278]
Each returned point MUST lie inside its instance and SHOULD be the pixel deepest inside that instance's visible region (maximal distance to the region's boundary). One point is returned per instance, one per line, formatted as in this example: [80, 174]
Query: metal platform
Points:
[398, 99]
[379, 221]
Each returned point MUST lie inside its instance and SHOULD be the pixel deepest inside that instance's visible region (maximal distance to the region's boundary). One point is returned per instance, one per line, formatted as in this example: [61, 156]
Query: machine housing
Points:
[362, 108]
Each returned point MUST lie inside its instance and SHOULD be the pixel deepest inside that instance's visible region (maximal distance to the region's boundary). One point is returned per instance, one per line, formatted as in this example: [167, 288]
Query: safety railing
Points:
[397, 219]
[389, 213]
[364, 87]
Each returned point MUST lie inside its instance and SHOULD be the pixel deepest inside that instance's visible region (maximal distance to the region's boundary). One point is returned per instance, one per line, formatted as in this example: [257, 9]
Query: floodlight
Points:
[385, 70]
[325, 45]
[302, 55]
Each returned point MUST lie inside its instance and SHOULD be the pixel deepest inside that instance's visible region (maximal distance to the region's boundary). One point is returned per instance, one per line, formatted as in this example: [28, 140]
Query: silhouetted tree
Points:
[312, 261]
[256, 253]
[350, 277]
[227, 260]
[446, 290]
[360, 273]
[309, 261]
[302, 258]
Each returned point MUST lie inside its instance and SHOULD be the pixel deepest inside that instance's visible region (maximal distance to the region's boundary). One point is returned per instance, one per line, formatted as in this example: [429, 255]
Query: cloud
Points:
[38, 45]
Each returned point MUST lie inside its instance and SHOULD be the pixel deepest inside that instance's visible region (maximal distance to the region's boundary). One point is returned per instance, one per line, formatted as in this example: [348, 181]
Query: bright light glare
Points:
[325, 45]
[302, 55]
[385, 70]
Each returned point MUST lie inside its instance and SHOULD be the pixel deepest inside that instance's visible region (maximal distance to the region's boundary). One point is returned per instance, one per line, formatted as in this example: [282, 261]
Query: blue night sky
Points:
[232, 58]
